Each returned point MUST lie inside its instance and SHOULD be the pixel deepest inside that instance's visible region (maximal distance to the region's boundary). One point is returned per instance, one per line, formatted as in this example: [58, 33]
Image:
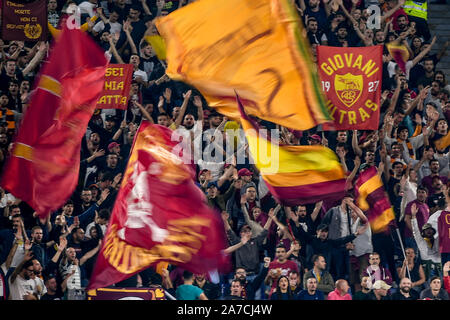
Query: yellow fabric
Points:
[257, 48]
[51, 85]
[56, 32]
[293, 179]
[368, 187]
[23, 151]
[380, 223]
[416, 9]
[443, 142]
[158, 45]
[271, 158]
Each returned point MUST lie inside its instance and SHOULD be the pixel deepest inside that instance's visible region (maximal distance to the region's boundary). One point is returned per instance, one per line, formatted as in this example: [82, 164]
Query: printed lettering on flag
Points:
[351, 80]
[24, 21]
[160, 215]
[116, 92]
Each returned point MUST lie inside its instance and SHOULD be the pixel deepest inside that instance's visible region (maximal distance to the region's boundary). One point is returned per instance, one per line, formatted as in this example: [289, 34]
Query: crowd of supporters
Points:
[313, 252]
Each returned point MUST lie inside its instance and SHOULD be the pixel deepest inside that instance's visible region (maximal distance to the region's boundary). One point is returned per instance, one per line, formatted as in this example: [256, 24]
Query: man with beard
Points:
[422, 215]
[436, 200]
[211, 290]
[366, 286]
[422, 166]
[21, 286]
[301, 218]
[405, 292]
[380, 37]
[38, 247]
[311, 292]
[84, 202]
[433, 98]
[427, 78]
[427, 181]
[315, 10]
[250, 283]
[402, 24]
[314, 34]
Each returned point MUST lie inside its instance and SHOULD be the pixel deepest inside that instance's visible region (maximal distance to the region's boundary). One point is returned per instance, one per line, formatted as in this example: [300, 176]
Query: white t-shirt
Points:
[391, 68]
[87, 7]
[21, 287]
[115, 27]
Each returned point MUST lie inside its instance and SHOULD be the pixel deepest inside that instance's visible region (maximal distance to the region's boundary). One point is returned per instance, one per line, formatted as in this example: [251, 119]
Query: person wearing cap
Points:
[380, 291]
[428, 245]
[405, 291]
[314, 140]
[245, 175]
[247, 256]
[320, 242]
[114, 148]
[217, 200]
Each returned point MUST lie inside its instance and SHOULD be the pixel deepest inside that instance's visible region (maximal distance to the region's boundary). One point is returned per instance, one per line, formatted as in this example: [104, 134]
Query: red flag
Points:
[159, 215]
[43, 169]
[371, 198]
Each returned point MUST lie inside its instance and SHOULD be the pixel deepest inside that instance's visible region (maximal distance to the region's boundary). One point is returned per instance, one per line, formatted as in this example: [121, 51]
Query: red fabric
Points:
[159, 215]
[351, 81]
[444, 232]
[447, 283]
[53, 126]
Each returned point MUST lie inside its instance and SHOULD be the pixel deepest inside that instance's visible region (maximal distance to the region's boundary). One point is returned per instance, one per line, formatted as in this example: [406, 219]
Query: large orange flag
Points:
[257, 48]
[44, 166]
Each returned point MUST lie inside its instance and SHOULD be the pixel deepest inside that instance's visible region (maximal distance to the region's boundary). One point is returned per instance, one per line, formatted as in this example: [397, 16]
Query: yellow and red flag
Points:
[160, 215]
[372, 198]
[44, 165]
[294, 174]
[400, 54]
[257, 48]
[351, 80]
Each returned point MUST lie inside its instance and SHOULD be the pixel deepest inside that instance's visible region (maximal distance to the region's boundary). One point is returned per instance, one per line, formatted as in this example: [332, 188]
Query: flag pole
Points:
[403, 250]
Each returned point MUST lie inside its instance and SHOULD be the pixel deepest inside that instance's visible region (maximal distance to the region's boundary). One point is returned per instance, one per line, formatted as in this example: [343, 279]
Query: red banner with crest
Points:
[351, 80]
[160, 215]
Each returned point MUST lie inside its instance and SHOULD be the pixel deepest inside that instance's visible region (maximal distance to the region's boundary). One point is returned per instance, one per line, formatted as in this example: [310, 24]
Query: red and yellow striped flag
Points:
[372, 199]
[294, 174]
[400, 54]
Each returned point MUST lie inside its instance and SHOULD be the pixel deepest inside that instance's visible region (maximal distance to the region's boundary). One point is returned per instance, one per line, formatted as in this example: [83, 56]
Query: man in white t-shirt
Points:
[88, 7]
[114, 25]
[21, 286]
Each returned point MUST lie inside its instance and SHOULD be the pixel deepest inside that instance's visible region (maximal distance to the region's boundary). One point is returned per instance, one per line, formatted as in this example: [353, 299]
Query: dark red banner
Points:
[351, 80]
[160, 215]
[126, 294]
[24, 21]
[116, 91]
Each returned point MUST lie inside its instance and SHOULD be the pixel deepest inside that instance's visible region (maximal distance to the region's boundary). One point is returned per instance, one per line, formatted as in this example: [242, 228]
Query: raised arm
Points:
[423, 53]
[183, 108]
[113, 49]
[127, 28]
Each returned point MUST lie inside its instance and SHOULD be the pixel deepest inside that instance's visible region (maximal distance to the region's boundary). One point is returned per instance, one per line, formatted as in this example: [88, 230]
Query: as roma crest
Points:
[348, 88]
[33, 31]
